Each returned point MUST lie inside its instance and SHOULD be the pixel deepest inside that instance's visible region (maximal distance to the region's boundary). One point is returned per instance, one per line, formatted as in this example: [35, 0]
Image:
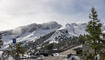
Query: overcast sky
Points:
[14, 13]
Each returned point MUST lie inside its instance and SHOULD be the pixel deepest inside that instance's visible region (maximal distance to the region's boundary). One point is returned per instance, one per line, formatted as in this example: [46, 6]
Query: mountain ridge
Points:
[34, 31]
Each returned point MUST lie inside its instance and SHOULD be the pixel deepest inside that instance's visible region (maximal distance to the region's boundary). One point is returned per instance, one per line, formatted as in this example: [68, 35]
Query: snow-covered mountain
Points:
[34, 31]
[29, 33]
[69, 30]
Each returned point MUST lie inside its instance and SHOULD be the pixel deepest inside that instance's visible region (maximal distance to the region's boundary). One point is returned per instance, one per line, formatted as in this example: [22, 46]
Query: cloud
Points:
[15, 13]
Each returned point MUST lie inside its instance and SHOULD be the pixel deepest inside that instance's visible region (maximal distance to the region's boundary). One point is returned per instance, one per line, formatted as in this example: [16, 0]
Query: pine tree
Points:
[1, 42]
[94, 35]
[49, 46]
[16, 51]
[81, 39]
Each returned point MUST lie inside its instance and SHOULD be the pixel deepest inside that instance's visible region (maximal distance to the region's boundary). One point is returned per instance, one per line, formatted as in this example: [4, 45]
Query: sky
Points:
[14, 13]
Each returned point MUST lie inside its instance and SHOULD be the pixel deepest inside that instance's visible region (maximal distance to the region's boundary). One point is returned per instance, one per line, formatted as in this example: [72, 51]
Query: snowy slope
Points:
[76, 29]
[29, 33]
[70, 30]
